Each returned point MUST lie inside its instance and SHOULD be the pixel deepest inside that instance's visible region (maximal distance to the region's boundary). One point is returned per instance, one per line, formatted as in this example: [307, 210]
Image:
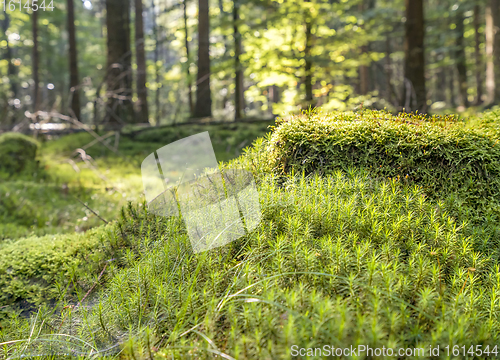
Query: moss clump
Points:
[17, 154]
[440, 154]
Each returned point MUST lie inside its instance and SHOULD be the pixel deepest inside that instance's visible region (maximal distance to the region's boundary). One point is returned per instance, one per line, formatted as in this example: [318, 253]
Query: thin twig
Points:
[93, 286]
[96, 214]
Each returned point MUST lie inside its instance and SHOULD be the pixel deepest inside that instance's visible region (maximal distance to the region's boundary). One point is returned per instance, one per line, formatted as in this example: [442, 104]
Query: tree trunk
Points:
[35, 63]
[203, 96]
[477, 55]
[388, 69]
[415, 97]
[119, 77]
[188, 72]
[74, 79]
[11, 69]
[238, 89]
[461, 60]
[142, 92]
[492, 51]
[364, 70]
[308, 63]
[156, 59]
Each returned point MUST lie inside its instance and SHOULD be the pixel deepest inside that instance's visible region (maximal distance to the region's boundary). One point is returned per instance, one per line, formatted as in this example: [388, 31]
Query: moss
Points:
[440, 154]
[17, 154]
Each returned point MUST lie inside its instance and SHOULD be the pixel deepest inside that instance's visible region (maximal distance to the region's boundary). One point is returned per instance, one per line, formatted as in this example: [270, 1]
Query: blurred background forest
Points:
[158, 62]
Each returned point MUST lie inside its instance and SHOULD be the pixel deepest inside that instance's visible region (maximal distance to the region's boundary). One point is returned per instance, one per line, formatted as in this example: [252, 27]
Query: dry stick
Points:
[93, 286]
[96, 214]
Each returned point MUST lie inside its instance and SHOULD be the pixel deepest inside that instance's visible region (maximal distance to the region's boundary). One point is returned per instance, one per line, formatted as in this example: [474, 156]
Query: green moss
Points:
[439, 154]
[35, 270]
[17, 154]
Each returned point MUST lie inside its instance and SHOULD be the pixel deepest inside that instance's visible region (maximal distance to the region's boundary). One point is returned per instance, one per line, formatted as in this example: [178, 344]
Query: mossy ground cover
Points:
[343, 257]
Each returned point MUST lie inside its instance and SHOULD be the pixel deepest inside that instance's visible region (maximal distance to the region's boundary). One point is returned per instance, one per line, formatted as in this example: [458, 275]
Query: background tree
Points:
[203, 106]
[35, 62]
[415, 87]
[74, 79]
[239, 98]
[142, 92]
[119, 108]
[461, 60]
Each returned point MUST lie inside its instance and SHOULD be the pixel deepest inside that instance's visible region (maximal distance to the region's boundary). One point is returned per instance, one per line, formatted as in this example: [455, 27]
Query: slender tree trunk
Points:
[461, 60]
[308, 63]
[142, 91]
[238, 90]
[74, 79]
[415, 57]
[36, 63]
[223, 17]
[477, 55]
[388, 69]
[11, 69]
[188, 72]
[203, 95]
[119, 77]
[451, 86]
[364, 70]
[156, 57]
[492, 51]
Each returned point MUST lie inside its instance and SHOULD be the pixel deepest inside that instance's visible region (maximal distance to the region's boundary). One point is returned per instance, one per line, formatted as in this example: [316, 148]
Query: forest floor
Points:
[364, 249]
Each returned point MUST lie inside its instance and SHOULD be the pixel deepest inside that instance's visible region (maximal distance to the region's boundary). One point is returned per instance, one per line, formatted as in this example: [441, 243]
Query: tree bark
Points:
[477, 55]
[239, 97]
[492, 51]
[156, 57]
[203, 95]
[415, 97]
[188, 72]
[364, 70]
[35, 63]
[119, 77]
[11, 69]
[74, 79]
[142, 92]
[460, 58]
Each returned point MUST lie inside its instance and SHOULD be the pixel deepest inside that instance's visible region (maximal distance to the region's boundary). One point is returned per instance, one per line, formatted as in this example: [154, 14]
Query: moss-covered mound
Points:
[17, 154]
[440, 154]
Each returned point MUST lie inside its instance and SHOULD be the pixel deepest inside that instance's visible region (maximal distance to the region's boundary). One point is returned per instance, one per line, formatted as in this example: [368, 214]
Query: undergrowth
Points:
[341, 260]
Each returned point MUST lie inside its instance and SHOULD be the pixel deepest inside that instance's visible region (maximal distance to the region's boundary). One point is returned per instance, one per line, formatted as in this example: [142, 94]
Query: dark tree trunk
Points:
[35, 63]
[119, 77]
[203, 95]
[74, 79]
[238, 82]
[461, 60]
[223, 17]
[477, 55]
[142, 92]
[364, 70]
[493, 51]
[156, 34]
[188, 62]
[414, 57]
[11, 69]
